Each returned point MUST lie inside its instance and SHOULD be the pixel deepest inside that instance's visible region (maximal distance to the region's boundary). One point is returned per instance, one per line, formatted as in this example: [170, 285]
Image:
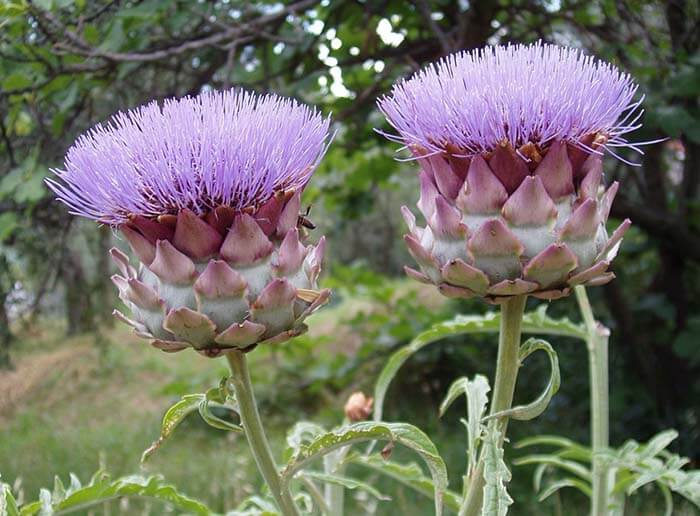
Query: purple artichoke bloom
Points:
[206, 190]
[510, 140]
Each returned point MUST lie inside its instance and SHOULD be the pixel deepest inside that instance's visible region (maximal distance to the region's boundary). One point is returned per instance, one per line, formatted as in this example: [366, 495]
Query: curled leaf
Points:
[535, 408]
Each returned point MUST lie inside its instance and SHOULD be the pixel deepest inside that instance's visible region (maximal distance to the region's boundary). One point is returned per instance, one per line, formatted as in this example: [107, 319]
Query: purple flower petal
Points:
[476, 102]
[231, 148]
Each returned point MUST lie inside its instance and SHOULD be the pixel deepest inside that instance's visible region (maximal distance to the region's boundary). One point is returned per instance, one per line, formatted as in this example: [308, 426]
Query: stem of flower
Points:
[597, 343]
[335, 494]
[250, 419]
[504, 387]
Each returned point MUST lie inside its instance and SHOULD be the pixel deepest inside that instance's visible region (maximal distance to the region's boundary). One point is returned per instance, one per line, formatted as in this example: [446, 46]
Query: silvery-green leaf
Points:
[303, 432]
[304, 502]
[476, 391]
[411, 475]
[217, 397]
[347, 483]
[212, 420]
[103, 491]
[565, 482]
[255, 506]
[173, 417]
[537, 322]
[59, 490]
[535, 408]
[401, 433]
[657, 443]
[557, 462]
[8, 504]
[46, 506]
[496, 499]
[75, 483]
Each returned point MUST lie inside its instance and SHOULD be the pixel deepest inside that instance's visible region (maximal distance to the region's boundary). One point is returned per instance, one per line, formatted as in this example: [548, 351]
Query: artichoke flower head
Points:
[206, 190]
[510, 141]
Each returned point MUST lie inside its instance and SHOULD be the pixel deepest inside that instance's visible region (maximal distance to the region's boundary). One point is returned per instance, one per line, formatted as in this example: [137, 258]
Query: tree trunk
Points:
[6, 336]
[79, 310]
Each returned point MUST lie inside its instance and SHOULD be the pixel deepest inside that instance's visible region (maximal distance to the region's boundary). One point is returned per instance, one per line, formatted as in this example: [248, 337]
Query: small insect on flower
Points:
[304, 221]
[206, 190]
[510, 141]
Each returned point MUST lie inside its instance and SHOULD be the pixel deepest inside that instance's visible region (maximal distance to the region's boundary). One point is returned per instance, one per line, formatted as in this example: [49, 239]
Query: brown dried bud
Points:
[358, 407]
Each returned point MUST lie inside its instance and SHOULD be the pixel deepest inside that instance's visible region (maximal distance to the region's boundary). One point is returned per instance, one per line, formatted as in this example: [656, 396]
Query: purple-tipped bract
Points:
[470, 102]
[231, 148]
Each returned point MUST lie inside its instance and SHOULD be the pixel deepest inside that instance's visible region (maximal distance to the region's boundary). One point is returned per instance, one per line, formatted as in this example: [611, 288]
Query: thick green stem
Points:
[250, 419]
[504, 387]
[597, 342]
[334, 493]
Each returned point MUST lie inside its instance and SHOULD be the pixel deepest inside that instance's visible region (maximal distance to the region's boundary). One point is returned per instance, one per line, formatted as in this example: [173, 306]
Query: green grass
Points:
[89, 410]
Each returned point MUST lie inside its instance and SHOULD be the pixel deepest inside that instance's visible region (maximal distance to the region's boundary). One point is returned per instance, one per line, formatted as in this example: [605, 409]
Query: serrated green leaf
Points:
[533, 322]
[635, 465]
[640, 464]
[535, 408]
[476, 391]
[562, 483]
[303, 432]
[173, 417]
[411, 475]
[496, 499]
[59, 491]
[401, 433]
[106, 490]
[347, 483]
[8, 504]
[657, 443]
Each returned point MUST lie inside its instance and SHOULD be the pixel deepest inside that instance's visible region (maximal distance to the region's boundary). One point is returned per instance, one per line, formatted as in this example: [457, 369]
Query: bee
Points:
[303, 220]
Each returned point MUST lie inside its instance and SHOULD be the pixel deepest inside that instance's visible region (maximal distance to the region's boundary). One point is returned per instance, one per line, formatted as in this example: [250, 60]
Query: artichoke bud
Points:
[503, 229]
[510, 142]
[206, 190]
[227, 280]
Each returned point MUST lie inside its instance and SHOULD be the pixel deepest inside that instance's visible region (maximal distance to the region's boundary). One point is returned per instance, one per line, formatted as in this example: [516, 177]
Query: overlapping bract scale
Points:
[499, 225]
[229, 280]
